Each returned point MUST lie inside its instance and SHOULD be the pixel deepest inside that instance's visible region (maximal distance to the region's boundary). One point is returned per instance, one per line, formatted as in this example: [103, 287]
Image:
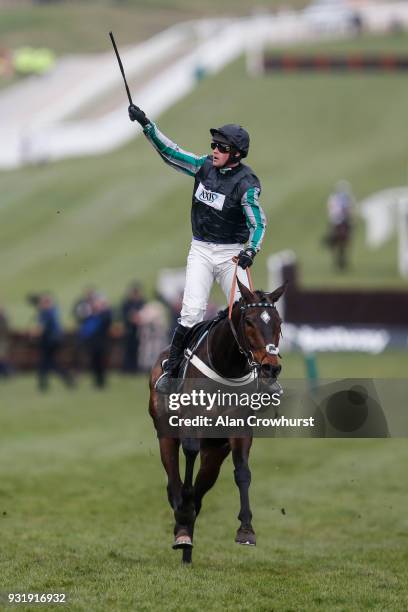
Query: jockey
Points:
[340, 204]
[225, 217]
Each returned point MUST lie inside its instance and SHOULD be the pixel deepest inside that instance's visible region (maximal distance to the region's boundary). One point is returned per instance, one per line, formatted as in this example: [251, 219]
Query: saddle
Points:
[199, 329]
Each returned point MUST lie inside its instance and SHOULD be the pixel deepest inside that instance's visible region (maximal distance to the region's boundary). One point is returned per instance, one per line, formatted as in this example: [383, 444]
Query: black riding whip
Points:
[121, 67]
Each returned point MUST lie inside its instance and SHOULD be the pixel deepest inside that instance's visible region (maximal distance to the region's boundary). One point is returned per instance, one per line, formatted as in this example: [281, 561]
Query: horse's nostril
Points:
[270, 370]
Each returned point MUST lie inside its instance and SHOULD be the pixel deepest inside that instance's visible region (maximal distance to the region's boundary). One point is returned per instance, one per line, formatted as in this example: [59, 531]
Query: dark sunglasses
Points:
[223, 148]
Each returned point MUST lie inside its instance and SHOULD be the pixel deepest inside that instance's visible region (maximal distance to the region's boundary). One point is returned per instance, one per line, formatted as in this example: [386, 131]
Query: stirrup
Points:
[166, 384]
[163, 383]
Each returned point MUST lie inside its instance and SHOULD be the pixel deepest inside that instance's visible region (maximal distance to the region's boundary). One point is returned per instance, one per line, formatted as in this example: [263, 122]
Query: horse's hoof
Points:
[246, 536]
[181, 542]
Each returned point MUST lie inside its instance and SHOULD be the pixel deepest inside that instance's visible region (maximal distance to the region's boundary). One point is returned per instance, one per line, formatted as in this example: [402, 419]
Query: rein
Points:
[234, 285]
[248, 354]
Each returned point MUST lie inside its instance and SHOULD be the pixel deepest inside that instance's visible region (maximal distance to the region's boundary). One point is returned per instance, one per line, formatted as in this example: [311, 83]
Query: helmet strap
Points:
[233, 158]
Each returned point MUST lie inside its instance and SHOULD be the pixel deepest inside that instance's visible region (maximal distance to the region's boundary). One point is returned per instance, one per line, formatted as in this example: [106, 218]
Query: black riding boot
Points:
[164, 383]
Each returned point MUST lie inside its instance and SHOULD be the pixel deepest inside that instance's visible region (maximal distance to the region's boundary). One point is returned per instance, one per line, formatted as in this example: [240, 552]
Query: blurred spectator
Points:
[340, 209]
[94, 332]
[49, 334]
[173, 307]
[4, 344]
[81, 310]
[83, 306]
[357, 23]
[153, 333]
[130, 309]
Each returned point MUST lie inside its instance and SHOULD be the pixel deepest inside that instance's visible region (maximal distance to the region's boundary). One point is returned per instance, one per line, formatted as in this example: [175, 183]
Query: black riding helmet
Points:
[234, 135]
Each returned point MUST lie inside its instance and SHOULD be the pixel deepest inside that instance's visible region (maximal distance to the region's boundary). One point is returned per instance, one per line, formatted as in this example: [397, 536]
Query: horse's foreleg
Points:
[242, 475]
[213, 454]
[169, 453]
[191, 448]
[185, 515]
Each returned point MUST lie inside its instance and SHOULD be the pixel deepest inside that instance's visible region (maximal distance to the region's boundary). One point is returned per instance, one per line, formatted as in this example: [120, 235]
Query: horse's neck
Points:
[226, 357]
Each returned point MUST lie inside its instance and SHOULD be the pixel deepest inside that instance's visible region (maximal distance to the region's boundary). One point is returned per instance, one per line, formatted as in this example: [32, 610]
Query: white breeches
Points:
[208, 262]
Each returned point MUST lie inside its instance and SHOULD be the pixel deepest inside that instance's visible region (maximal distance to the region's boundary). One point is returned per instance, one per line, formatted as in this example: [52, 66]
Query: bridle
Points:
[270, 348]
[243, 347]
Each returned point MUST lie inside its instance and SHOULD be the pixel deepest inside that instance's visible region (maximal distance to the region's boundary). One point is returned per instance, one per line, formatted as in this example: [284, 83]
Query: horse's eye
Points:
[249, 323]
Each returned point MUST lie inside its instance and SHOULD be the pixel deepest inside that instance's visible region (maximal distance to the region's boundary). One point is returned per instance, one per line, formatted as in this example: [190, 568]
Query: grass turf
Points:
[108, 219]
[83, 510]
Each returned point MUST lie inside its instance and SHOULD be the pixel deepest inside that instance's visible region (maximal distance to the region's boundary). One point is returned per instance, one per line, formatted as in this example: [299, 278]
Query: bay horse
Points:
[247, 340]
[338, 240]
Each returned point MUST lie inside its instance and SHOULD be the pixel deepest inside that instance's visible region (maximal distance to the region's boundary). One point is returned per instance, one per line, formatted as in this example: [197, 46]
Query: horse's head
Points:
[260, 328]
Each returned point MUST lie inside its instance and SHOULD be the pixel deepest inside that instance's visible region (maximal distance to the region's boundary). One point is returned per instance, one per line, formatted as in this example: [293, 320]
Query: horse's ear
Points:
[246, 293]
[275, 295]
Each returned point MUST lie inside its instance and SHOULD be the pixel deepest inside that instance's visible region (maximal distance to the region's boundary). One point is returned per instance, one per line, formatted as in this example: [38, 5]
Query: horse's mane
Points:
[221, 314]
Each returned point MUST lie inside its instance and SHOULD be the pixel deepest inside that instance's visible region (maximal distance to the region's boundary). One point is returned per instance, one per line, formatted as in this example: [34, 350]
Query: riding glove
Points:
[136, 114]
[246, 258]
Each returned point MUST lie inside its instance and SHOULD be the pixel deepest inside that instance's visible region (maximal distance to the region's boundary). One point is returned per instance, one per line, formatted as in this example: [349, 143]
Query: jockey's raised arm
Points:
[171, 153]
